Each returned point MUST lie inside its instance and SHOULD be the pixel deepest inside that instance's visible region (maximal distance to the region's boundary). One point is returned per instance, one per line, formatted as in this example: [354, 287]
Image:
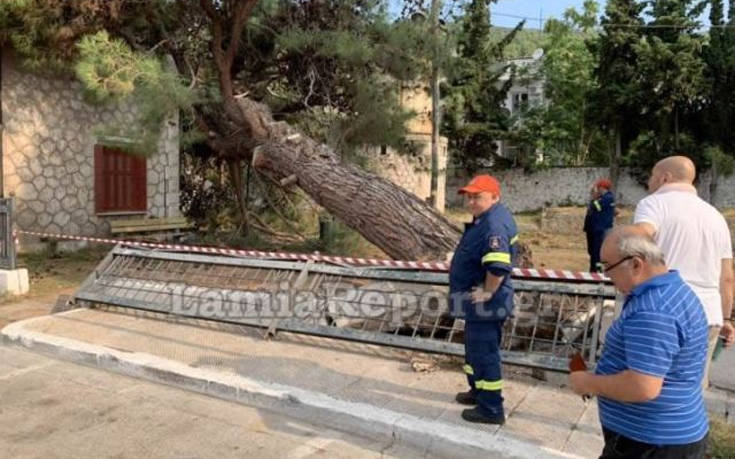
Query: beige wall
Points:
[412, 171]
[569, 186]
[416, 97]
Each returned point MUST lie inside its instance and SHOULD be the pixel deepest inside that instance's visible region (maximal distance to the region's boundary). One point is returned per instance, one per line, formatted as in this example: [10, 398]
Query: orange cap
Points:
[604, 183]
[482, 183]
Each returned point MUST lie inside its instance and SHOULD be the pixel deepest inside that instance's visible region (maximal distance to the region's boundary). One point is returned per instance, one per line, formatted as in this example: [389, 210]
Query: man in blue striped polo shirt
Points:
[648, 380]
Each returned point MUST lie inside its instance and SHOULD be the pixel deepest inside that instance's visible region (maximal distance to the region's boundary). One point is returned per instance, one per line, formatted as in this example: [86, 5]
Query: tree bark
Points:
[385, 214]
[714, 182]
[615, 157]
[235, 169]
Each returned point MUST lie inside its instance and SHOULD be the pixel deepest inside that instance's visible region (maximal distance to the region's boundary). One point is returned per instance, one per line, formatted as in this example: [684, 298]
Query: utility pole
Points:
[435, 109]
[2, 171]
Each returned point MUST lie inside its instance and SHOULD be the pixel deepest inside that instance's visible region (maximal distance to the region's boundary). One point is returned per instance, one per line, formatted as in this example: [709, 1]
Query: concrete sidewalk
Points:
[353, 387]
[56, 409]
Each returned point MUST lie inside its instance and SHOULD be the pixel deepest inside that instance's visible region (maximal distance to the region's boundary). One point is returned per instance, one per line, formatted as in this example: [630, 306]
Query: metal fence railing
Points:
[398, 308]
[7, 242]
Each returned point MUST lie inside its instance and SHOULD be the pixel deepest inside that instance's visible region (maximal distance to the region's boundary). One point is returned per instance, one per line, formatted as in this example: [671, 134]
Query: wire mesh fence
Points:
[406, 309]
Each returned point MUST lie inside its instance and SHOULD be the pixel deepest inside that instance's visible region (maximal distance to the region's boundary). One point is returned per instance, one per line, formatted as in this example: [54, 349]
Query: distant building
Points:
[527, 91]
[412, 171]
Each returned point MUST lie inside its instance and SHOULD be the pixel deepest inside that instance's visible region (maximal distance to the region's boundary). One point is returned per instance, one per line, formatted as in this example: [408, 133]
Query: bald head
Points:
[674, 169]
[681, 168]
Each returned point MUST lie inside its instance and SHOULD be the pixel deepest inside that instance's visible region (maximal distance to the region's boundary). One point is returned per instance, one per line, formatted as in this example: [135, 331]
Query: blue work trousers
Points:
[482, 364]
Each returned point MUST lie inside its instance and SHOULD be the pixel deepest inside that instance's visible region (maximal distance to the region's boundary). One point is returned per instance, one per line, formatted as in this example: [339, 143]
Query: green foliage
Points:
[560, 128]
[112, 72]
[617, 96]
[334, 68]
[45, 32]
[719, 74]
[524, 43]
[670, 83]
[474, 116]
[722, 163]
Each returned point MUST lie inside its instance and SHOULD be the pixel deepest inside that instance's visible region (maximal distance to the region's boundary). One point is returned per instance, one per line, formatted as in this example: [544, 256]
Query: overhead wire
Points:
[695, 26]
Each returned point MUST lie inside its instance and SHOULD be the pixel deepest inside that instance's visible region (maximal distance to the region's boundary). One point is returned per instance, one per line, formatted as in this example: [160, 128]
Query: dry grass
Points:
[555, 238]
[721, 439]
[51, 276]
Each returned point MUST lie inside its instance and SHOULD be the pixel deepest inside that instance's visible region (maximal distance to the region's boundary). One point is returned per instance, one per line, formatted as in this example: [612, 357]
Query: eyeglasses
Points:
[608, 268]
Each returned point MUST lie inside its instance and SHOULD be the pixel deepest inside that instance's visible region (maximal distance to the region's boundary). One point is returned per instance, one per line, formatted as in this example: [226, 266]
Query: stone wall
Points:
[48, 150]
[570, 187]
[412, 171]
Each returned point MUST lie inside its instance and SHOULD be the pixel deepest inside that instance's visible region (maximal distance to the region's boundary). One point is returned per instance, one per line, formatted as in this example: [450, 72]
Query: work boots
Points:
[466, 398]
[474, 415]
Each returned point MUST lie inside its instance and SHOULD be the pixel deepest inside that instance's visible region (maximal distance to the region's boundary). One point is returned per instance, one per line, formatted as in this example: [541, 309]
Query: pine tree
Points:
[475, 118]
[326, 64]
[617, 97]
[670, 59]
[718, 75]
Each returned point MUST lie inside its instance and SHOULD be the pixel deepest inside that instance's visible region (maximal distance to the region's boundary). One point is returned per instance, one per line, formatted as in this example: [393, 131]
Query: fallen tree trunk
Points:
[390, 217]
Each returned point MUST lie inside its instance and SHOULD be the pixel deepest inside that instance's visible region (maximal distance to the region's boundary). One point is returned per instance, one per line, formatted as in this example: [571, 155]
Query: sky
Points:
[507, 13]
[525, 8]
[535, 9]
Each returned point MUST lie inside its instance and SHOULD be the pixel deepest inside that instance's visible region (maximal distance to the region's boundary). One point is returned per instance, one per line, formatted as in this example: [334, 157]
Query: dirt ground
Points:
[554, 236]
[49, 276]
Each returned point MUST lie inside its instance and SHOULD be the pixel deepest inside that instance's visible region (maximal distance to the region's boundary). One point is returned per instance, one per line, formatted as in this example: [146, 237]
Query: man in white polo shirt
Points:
[695, 240]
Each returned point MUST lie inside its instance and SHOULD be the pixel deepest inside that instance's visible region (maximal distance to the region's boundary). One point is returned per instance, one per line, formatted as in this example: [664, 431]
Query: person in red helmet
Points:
[598, 220]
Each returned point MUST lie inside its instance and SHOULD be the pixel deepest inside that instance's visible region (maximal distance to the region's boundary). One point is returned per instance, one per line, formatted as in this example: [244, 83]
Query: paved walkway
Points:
[56, 409]
[343, 379]
[722, 373]
[346, 386]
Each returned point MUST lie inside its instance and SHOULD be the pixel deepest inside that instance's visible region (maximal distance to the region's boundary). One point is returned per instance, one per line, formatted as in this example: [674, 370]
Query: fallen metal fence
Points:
[7, 243]
[399, 308]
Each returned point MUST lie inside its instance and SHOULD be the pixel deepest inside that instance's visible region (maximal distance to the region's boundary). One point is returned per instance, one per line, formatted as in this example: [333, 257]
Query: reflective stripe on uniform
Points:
[468, 369]
[514, 239]
[482, 384]
[597, 204]
[500, 257]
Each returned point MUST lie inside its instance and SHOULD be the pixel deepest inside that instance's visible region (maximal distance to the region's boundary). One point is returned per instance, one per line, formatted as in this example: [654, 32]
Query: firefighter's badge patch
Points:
[495, 242]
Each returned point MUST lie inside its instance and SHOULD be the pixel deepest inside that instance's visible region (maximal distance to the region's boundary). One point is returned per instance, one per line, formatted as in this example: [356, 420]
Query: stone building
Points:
[412, 170]
[63, 177]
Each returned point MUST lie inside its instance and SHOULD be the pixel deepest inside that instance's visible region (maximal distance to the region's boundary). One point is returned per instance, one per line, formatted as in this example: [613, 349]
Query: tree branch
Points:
[242, 13]
[224, 65]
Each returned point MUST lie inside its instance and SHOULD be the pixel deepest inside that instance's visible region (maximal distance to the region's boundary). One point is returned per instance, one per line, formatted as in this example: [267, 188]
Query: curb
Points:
[435, 437]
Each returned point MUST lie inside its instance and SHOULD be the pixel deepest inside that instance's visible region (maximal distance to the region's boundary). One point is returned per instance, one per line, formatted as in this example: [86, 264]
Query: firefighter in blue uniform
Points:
[598, 220]
[481, 292]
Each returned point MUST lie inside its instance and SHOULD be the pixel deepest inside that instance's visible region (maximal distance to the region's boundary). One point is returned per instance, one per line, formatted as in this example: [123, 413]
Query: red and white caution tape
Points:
[559, 274]
[421, 265]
